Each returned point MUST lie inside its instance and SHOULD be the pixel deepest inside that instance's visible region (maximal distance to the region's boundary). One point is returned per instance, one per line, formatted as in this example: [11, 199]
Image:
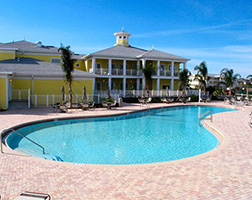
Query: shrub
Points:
[194, 98]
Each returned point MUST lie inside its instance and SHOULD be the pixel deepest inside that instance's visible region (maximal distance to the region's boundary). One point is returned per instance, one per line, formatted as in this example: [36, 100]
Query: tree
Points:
[184, 81]
[229, 78]
[148, 72]
[202, 75]
[67, 64]
[249, 77]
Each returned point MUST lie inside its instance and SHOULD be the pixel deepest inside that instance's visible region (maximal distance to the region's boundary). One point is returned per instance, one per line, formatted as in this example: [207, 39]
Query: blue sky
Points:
[218, 32]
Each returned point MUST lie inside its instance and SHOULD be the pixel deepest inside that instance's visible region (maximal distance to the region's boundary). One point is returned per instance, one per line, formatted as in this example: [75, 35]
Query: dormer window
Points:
[55, 60]
[124, 37]
[120, 37]
[77, 65]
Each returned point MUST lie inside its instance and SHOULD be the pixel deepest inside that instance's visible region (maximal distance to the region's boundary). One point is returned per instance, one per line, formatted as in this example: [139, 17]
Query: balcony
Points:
[101, 71]
[117, 72]
[164, 73]
[132, 72]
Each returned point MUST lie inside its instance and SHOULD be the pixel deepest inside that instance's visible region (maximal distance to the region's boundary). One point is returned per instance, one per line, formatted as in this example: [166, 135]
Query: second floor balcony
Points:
[101, 71]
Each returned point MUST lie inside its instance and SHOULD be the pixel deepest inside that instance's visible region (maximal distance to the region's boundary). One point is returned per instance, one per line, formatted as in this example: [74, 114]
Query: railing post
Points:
[53, 99]
[98, 98]
[47, 102]
[19, 95]
[29, 99]
[177, 92]
[36, 103]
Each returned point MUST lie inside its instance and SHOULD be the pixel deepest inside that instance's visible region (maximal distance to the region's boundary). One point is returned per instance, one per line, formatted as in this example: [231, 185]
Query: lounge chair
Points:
[33, 196]
[91, 105]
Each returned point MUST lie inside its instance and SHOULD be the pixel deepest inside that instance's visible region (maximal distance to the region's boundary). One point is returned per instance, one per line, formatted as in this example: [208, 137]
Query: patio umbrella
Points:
[84, 95]
[63, 93]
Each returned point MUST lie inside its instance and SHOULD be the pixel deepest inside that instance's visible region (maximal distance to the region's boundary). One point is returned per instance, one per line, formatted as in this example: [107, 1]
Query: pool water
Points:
[151, 136]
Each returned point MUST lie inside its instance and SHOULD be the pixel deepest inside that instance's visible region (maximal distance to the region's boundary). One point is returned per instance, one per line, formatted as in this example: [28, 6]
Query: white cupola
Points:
[122, 38]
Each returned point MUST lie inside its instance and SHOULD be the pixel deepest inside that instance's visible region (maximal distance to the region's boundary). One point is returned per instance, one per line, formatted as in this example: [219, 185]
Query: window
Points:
[127, 86]
[77, 65]
[134, 66]
[113, 86]
[121, 86]
[175, 68]
[162, 67]
[121, 66]
[113, 66]
[98, 65]
[98, 86]
[124, 37]
[120, 37]
[55, 60]
[169, 68]
[134, 85]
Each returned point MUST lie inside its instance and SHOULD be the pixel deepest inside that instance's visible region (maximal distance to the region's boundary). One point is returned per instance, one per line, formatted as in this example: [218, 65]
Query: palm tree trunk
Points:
[70, 94]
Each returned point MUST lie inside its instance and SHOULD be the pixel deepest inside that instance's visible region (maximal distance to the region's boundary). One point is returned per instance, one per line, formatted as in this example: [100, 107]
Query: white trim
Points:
[48, 78]
[37, 53]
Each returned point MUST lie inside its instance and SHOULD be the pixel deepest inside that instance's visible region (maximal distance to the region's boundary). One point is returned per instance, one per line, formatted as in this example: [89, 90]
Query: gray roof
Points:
[119, 51]
[29, 47]
[134, 52]
[29, 66]
[78, 56]
[155, 54]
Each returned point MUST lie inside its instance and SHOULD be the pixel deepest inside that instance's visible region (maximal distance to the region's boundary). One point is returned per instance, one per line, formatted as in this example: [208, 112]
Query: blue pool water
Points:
[146, 137]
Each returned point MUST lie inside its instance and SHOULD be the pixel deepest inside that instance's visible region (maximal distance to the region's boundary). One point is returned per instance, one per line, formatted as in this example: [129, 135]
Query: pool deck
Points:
[223, 173]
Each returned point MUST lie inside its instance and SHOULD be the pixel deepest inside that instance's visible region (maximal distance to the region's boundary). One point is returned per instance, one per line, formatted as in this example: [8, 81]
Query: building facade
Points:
[117, 68]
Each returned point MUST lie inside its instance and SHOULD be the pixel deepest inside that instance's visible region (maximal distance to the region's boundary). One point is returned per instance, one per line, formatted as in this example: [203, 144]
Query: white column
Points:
[109, 83]
[124, 87]
[124, 67]
[184, 65]
[172, 68]
[110, 67]
[138, 83]
[172, 84]
[143, 81]
[138, 67]
[158, 85]
[93, 65]
[158, 67]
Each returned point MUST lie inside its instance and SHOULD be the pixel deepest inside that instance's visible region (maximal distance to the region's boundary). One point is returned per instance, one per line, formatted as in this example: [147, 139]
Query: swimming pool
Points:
[151, 136]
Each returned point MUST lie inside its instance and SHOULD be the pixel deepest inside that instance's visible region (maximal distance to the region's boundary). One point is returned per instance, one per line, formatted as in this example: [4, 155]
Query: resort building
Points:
[34, 67]
[215, 80]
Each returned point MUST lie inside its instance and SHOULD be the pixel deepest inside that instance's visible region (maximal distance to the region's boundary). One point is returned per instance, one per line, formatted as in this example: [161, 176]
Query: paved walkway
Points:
[224, 173]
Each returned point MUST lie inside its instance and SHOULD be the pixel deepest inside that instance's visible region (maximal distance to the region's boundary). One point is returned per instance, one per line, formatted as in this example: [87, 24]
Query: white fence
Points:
[97, 97]
[153, 93]
[21, 95]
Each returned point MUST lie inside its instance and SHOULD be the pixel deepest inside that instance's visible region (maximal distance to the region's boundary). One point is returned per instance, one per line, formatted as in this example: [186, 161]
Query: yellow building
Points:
[33, 69]
[119, 67]
[32, 73]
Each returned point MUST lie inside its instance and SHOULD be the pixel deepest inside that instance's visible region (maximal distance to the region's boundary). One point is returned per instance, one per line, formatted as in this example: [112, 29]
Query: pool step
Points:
[46, 156]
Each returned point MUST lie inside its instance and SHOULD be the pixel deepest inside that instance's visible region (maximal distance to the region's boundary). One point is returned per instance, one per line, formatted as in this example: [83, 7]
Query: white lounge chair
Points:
[33, 196]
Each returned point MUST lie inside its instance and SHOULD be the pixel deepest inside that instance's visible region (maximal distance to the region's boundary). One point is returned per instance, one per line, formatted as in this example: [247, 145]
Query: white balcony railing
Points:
[117, 72]
[101, 71]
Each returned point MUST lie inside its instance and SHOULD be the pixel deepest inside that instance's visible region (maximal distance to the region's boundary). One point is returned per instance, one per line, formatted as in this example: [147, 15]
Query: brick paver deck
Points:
[223, 173]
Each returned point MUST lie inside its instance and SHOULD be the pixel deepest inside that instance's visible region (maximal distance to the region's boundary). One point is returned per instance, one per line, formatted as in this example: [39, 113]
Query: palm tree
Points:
[67, 64]
[148, 72]
[229, 78]
[249, 77]
[202, 75]
[184, 81]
